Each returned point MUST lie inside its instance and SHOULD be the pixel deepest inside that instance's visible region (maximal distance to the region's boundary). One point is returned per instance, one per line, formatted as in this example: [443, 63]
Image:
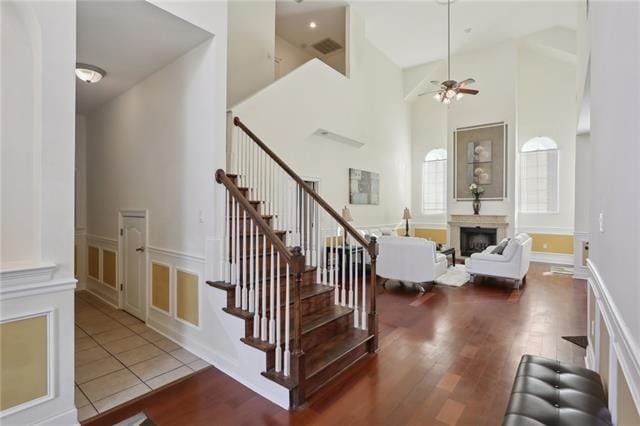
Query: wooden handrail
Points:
[222, 178]
[343, 223]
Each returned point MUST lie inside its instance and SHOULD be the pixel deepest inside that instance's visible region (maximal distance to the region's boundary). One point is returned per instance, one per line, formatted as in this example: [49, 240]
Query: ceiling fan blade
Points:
[466, 82]
[437, 83]
[468, 91]
[428, 93]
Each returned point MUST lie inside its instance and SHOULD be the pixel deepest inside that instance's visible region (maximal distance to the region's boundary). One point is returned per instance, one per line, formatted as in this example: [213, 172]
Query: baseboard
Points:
[102, 298]
[627, 351]
[67, 418]
[221, 362]
[555, 258]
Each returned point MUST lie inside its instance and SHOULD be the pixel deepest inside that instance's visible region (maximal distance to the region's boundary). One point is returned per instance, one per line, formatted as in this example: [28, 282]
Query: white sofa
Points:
[512, 264]
[409, 260]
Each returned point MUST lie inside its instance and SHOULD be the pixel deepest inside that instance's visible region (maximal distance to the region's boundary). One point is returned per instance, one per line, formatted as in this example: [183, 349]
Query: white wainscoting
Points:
[30, 291]
[97, 286]
[624, 353]
[553, 258]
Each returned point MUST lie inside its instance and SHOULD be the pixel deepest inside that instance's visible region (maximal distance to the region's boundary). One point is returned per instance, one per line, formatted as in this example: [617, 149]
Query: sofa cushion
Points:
[499, 249]
[440, 258]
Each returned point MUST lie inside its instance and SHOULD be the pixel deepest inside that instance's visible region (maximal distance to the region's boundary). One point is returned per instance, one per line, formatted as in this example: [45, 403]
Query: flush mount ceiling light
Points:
[312, 24]
[89, 73]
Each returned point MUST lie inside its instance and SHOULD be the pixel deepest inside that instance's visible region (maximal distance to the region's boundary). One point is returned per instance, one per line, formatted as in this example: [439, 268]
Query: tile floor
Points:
[119, 358]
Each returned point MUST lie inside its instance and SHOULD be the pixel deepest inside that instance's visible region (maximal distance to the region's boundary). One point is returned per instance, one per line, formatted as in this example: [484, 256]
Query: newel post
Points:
[373, 313]
[297, 355]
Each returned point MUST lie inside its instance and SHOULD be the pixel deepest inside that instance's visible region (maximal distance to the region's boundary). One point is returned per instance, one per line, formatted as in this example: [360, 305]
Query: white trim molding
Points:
[545, 230]
[23, 275]
[554, 258]
[625, 349]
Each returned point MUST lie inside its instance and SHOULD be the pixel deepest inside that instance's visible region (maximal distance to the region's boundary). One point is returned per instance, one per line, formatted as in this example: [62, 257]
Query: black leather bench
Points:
[548, 392]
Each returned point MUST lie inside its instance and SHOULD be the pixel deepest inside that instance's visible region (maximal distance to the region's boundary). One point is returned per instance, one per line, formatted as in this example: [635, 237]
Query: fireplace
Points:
[476, 239]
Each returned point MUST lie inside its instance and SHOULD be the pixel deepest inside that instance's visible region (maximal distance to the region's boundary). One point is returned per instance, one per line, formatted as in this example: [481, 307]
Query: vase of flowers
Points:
[476, 191]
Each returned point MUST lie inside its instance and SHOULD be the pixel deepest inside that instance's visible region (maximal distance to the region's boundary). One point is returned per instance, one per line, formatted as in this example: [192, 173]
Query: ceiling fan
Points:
[451, 89]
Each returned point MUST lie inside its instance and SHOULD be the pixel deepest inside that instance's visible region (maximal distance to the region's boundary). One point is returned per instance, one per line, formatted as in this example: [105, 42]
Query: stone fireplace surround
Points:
[457, 221]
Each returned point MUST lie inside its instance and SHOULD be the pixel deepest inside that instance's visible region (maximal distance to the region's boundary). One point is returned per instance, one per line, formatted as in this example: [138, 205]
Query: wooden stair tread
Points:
[332, 349]
[281, 379]
[323, 316]
[309, 322]
[222, 285]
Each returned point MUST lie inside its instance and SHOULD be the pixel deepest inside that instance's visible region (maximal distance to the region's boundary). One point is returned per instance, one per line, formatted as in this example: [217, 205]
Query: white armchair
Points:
[408, 259]
[512, 264]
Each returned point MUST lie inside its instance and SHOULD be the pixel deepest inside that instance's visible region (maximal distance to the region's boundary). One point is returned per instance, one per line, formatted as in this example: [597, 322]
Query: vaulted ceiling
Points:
[415, 32]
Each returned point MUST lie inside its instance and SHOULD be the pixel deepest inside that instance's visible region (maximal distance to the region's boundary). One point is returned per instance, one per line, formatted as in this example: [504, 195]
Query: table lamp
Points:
[406, 216]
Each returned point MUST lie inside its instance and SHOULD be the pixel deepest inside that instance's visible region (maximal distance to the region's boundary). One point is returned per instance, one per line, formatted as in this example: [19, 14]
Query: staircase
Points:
[302, 279]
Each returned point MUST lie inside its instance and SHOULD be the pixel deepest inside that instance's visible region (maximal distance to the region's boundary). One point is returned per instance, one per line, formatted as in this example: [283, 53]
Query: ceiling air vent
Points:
[327, 46]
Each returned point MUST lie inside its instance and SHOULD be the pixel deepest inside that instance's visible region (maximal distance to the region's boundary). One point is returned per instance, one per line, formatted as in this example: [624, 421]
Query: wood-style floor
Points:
[447, 357]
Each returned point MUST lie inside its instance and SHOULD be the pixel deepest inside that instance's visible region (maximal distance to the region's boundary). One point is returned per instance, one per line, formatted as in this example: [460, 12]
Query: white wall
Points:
[546, 106]
[150, 148]
[367, 107]
[38, 104]
[289, 57]
[583, 183]
[615, 145]
[252, 32]
[433, 124]
[510, 77]
[21, 143]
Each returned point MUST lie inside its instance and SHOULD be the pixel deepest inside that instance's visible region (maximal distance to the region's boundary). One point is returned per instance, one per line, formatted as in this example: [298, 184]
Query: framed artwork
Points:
[480, 154]
[364, 187]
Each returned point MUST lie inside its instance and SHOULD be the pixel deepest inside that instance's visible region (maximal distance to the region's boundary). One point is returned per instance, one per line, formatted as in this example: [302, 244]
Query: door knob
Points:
[140, 249]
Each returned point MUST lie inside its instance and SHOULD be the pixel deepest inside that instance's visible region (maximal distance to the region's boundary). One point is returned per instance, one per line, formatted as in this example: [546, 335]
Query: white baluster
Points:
[233, 242]
[350, 272]
[237, 244]
[287, 323]
[334, 270]
[226, 259]
[356, 317]
[251, 267]
[363, 323]
[272, 323]
[343, 282]
[263, 323]
[256, 291]
[244, 262]
[278, 319]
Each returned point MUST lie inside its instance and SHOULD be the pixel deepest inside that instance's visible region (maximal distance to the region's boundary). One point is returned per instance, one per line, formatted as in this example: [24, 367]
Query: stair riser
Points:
[309, 304]
[326, 331]
[258, 246]
[315, 382]
[257, 206]
[308, 278]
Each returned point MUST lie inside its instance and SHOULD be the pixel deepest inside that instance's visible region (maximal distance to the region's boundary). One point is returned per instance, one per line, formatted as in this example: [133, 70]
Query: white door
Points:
[134, 273]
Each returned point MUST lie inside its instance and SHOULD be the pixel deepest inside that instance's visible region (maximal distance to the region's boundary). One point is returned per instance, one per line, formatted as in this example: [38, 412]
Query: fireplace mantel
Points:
[457, 221]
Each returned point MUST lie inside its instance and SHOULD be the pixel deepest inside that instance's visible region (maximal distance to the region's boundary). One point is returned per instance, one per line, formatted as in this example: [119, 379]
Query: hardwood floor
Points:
[447, 357]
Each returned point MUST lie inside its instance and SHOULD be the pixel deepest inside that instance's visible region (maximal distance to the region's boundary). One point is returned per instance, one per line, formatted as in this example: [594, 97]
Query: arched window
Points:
[434, 182]
[539, 176]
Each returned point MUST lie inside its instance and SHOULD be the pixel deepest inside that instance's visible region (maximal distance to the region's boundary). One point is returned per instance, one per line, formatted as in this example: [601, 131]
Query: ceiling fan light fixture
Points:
[446, 101]
[450, 93]
[438, 96]
[459, 96]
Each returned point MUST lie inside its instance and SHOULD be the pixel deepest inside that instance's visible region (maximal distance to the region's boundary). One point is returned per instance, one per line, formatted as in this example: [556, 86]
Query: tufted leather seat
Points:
[548, 392]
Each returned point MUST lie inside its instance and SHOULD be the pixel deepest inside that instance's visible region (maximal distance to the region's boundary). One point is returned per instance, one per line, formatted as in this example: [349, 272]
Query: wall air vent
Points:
[327, 46]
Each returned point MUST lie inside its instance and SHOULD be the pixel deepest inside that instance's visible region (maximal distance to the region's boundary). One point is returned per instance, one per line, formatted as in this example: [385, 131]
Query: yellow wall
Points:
[555, 243]
[23, 361]
[109, 268]
[187, 297]
[437, 235]
[93, 256]
[160, 286]
[627, 412]
[603, 368]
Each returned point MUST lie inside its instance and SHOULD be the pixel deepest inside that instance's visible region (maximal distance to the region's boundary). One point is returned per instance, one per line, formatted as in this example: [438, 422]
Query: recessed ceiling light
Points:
[89, 73]
[445, 2]
[312, 24]
[468, 30]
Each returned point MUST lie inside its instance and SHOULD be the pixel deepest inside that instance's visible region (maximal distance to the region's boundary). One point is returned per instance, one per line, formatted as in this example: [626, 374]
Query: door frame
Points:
[142, 214]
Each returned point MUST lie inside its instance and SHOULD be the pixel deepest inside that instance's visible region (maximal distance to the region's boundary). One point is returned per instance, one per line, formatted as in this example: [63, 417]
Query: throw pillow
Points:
[500, 247]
